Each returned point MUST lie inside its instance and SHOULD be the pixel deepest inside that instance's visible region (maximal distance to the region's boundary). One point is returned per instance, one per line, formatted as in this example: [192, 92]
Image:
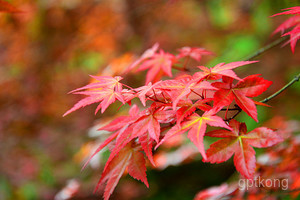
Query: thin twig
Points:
[155, 100]
[185, 63]
[265, 48]
[147, 96]
[180, 69]
[236, 114]
[282, 89]
[254, 55]
[230, 109]
[297, 78]
[197, 93]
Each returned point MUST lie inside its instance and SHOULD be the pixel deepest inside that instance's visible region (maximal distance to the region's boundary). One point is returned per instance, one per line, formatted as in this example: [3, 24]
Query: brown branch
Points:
[297, 78]
[282, 89]
[231, 109]
[254, 55]
[236, 114]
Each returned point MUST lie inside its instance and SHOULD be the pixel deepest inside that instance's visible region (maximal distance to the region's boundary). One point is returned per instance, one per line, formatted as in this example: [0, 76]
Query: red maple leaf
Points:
[197, 126]
[103, 82]
[119, 125]
[239, 142]
[126, 153]
[188, 107]
[216, 192]
[193, 52]
[251, 86]
[294, 37]
[106, 91]
[220, 70]
[179, 90]
[158, 65]
[291, 10]
[147, 54]
[147, 126]
[143, 91]
[129, 158]
[143, 125]
[292, 21]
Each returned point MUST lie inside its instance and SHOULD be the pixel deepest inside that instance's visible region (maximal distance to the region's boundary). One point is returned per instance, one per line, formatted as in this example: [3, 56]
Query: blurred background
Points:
[53, 45]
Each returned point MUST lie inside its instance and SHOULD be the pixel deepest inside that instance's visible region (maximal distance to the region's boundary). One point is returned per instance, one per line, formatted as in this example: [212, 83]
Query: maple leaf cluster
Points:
[294, 22]
[186, 103]
[280, 163]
